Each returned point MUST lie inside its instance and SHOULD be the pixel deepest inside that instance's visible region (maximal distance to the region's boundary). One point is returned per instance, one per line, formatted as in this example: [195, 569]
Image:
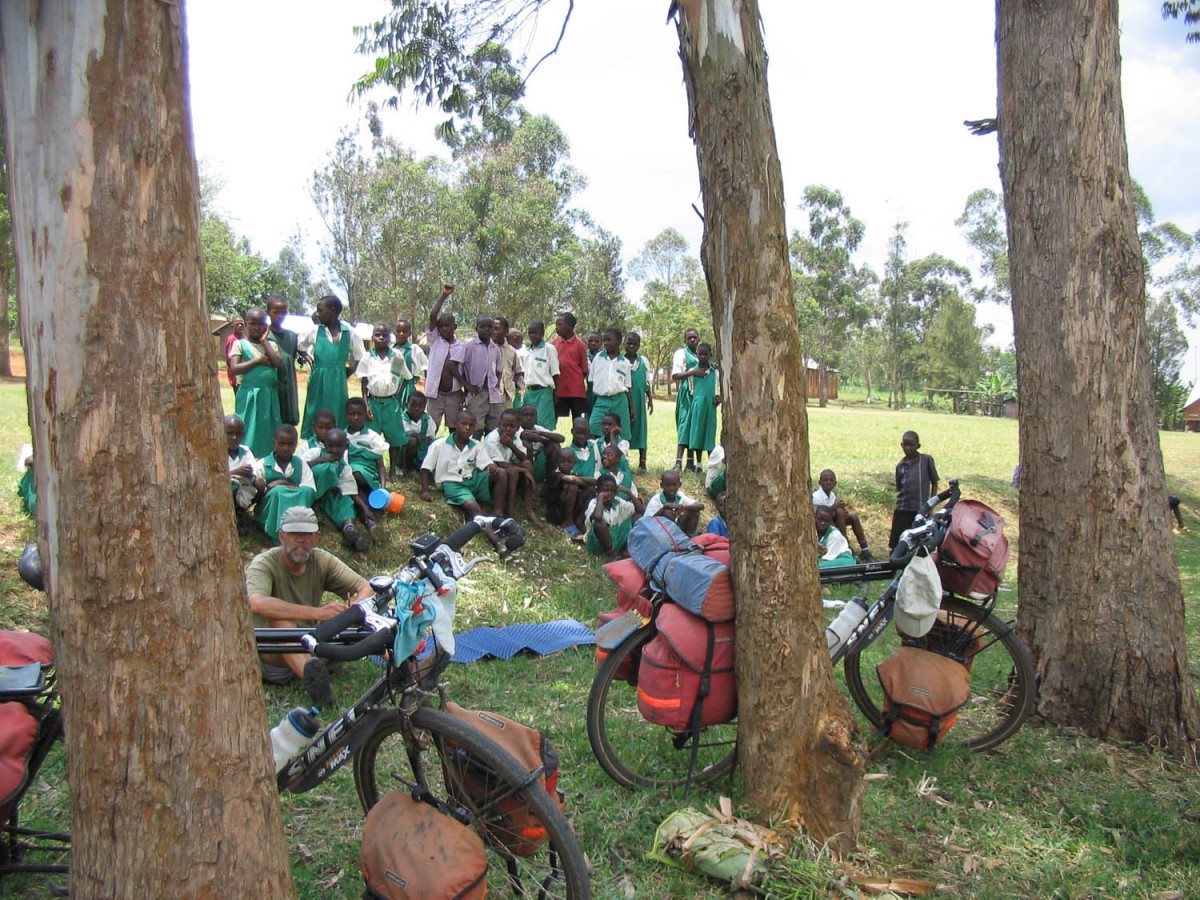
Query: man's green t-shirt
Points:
[325, 573]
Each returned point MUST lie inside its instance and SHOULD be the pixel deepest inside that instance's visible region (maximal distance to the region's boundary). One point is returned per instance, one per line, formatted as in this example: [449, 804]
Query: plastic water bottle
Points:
[840, 629]
[294, 732]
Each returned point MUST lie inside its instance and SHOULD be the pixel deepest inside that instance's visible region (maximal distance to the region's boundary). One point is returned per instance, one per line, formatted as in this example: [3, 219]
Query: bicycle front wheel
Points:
[637, 753]
[1003, 680]
[471, 778]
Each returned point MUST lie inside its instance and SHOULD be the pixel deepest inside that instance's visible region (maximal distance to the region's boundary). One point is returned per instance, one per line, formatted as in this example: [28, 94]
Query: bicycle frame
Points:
[338, 741]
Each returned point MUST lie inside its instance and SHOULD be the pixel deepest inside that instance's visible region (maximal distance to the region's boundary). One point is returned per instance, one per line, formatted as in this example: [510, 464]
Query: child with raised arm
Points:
[367, 448]
[419, 433]
[288, 482]
[639, 392]
[542, 444]
[843, 516]
[610, 377]
[916, 482]
[674, 504]
[509, 467]
[245, 473]
[609, 520]
[541, 375]
[382, 373]
[458, 466]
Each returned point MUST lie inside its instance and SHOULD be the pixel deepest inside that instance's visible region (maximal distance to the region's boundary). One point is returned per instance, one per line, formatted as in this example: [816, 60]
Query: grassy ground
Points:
[1047, 814]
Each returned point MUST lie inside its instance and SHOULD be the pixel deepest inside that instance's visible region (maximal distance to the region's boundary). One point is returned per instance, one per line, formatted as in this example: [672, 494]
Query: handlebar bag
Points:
[974, 552]
[923, 692]
[687, 666]
[510, 821]
[411, 850]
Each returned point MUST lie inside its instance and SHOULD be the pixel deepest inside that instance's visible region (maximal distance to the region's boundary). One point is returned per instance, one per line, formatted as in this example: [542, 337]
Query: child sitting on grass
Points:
[419, 433]
[842, 514]
[610, 462]
[566, 496]
[832, 545]
[510, 470]
[716, 525]
[674, 504]
[367, 448]
[245, 473]
[458, 466]
[541, 444]
[288, 482]
[609, 520]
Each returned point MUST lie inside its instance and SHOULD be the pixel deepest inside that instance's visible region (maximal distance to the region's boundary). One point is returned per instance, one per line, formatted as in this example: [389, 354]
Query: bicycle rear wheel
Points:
[637, 753]
[1003, 680]
[556, 869]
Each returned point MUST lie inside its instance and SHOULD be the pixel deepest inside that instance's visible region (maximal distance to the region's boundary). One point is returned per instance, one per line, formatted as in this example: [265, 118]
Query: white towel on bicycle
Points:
[919, 596]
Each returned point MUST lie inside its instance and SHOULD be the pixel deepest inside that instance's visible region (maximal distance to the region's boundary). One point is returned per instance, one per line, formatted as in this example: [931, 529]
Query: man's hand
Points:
[329, 610]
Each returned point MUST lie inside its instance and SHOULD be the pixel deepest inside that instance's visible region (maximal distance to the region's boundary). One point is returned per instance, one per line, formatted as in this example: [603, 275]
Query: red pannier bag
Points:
[974, 553]
[689, 663]
[18, 726]
[632, 593]
[923, 693]
[411, 851]
[513, 822]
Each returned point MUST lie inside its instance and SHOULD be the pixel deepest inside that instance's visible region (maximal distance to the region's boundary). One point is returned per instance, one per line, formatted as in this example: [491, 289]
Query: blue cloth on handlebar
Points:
[411, 626]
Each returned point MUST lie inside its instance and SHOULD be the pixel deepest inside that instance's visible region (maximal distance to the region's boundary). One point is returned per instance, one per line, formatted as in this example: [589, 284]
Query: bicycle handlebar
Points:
[930, 525]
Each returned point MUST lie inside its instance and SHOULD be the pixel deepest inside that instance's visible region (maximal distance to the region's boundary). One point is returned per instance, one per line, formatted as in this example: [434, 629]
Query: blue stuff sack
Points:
[652, 542]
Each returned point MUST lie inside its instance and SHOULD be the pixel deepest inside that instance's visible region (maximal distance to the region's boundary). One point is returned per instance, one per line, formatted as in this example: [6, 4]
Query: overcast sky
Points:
[869, 102]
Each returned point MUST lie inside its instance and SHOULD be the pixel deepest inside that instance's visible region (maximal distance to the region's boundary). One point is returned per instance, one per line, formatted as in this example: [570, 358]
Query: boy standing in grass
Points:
[916, 482]
[383, 373]
[414, 358]
[541, 375]
[639, 392]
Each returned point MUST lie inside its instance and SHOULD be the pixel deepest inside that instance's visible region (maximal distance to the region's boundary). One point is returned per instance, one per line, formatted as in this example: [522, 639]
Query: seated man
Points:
[285, 585]
[832, 545]
[842, 514]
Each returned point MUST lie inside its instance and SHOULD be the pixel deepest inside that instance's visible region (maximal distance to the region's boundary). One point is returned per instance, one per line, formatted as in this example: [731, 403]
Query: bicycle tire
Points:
[1003, 679]
[558, 869]
[650, 755]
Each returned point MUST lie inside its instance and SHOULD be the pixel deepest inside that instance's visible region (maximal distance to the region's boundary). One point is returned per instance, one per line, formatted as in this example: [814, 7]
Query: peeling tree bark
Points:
[171, 788]
[800, 748]
[1100, 601]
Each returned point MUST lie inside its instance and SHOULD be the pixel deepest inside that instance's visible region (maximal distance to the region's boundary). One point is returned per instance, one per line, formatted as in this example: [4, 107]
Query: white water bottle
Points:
[294, 732]
[839, 630]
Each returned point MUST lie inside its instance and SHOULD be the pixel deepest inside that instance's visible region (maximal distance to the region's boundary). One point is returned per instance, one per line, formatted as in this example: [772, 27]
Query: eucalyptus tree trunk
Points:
[800, 747]
[171, 789]
[1100, 600]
